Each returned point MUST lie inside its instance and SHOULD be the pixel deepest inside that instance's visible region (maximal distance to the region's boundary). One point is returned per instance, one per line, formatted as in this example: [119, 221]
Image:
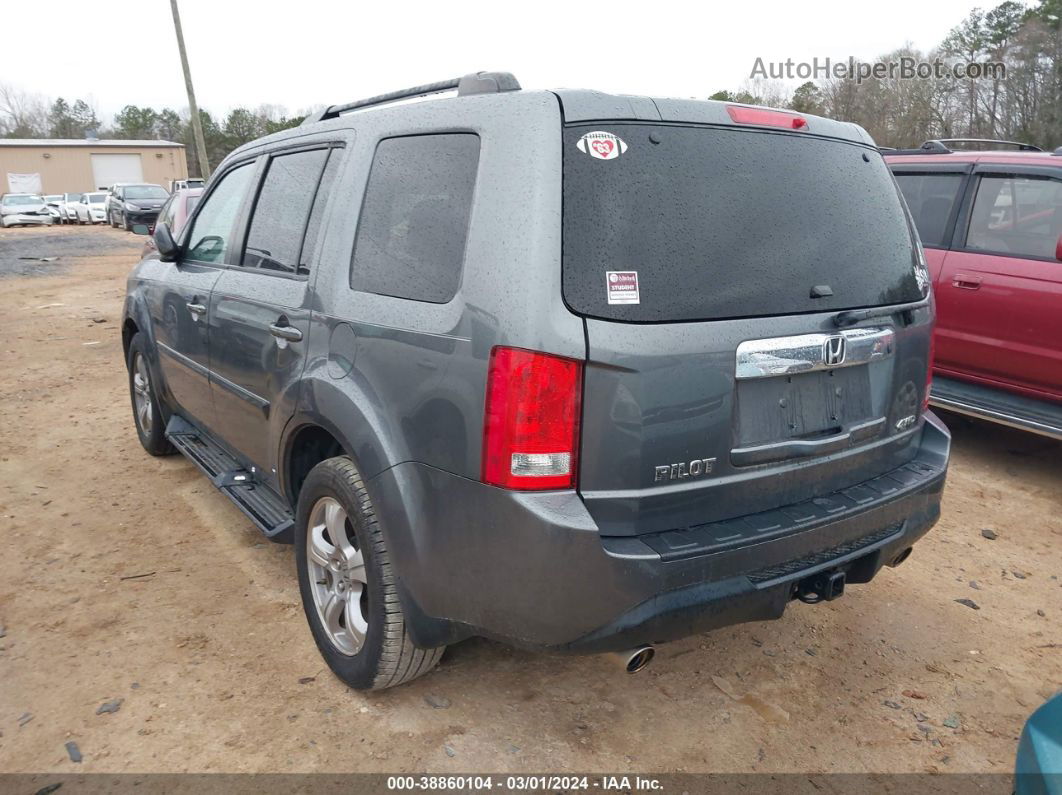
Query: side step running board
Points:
[261, 504]
[995, 405]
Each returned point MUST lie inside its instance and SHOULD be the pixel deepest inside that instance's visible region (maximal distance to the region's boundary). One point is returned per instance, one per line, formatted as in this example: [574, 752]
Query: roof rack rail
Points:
[1022, 147]
[928, 148]
[475, 83]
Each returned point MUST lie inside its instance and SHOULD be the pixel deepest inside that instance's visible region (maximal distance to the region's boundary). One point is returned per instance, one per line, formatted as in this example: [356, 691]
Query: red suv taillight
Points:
[766, 117]
[531, 420]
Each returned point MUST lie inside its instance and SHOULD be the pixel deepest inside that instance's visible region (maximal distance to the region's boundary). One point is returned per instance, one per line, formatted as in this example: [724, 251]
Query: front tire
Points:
[147, 415]
[348, 584]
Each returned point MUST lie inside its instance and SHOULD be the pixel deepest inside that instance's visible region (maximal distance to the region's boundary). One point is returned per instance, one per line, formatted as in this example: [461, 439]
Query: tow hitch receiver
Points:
[823, 587]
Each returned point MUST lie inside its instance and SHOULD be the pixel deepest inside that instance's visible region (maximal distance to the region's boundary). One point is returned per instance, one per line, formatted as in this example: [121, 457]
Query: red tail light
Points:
[766, 118]
[531, 422]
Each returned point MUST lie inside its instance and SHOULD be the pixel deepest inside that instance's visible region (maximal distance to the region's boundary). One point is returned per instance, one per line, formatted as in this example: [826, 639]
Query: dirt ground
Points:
[128, 579]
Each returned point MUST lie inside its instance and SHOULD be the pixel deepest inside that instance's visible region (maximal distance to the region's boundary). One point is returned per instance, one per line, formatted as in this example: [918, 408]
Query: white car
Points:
[68, 207]
[92, 208]
[23, 209]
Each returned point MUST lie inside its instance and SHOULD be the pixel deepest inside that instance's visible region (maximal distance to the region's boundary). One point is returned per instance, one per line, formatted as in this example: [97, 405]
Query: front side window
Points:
[283, 207]
[1016, 215]
[414, 220]
[166, 213]
[211, 235]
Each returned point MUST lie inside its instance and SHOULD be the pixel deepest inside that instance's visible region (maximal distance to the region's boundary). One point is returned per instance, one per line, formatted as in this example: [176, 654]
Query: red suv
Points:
[991, 224]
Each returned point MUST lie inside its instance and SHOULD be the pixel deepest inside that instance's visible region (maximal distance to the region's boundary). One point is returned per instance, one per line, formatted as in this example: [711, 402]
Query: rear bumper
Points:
[533, 570]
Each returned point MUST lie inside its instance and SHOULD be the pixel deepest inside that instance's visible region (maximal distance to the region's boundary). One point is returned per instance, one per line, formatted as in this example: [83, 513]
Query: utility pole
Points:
[197, 126]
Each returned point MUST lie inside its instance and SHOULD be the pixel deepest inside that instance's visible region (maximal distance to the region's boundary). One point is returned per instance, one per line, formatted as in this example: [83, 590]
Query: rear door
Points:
[259, 309]
[712, 264]
[1000, 291]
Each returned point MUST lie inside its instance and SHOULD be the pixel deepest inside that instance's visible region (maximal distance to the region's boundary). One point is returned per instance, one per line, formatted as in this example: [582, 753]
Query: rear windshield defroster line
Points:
[726, 223]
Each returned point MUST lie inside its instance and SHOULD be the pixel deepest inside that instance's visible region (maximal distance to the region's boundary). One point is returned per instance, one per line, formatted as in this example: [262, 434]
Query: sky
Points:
[306, 53]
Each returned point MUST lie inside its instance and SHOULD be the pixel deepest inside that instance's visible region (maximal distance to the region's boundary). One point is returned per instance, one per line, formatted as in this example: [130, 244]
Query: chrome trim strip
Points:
[806, 353]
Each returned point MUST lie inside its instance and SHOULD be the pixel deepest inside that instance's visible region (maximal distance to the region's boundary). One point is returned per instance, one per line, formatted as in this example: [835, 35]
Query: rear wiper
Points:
[852, 316]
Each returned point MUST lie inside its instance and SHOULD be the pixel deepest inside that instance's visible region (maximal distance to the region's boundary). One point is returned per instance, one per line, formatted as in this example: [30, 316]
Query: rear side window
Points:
[1016, 215]
[274, 240]
[723, 223]
[414, 220]
[931, 198]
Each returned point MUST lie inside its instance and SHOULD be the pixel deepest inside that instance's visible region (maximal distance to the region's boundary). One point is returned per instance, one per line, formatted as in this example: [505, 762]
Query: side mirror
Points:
[141, 229]
[164, 242]
[1058, 249]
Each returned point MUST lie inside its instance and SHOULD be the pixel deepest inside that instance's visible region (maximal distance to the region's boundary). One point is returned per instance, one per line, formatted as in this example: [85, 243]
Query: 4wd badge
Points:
[602, 145]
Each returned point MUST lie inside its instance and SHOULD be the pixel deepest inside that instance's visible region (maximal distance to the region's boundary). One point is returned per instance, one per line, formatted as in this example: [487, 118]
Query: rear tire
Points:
[147, 414]
[366, 643]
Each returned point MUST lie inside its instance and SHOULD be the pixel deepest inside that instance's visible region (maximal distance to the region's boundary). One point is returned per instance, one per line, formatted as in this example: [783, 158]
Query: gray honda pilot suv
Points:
[575, 371]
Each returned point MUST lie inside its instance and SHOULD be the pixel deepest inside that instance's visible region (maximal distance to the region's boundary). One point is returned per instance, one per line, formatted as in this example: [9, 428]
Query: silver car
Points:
[23, 209]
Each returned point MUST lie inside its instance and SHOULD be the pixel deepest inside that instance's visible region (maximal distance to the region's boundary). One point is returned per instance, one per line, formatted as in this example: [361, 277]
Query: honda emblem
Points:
[833, 351]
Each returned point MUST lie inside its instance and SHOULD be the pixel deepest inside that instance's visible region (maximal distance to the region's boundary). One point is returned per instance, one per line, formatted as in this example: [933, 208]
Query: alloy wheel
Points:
[337, 576]
[142, 395]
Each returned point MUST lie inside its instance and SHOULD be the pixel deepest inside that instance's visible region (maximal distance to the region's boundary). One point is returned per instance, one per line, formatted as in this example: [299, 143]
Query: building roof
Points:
[85, 142]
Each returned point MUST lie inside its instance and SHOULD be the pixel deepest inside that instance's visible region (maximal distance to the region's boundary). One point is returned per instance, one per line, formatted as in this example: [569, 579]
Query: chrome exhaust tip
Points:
[636, 659]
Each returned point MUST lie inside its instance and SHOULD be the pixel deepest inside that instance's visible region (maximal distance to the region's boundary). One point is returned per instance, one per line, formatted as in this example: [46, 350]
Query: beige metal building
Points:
[76, 166]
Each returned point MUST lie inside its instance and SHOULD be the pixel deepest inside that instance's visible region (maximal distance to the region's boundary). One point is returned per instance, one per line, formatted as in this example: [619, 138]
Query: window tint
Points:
[282, 209]
[414, 221]
[931, 198]
[1016, 215]
[211, 236]
[313, 227]
[724, 223]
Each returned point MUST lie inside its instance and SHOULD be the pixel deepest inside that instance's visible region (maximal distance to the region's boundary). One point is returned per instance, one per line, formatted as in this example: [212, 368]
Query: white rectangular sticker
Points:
[622, 287]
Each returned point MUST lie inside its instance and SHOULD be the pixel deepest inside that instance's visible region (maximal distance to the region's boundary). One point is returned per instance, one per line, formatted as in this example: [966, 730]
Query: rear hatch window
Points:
[728, 223]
